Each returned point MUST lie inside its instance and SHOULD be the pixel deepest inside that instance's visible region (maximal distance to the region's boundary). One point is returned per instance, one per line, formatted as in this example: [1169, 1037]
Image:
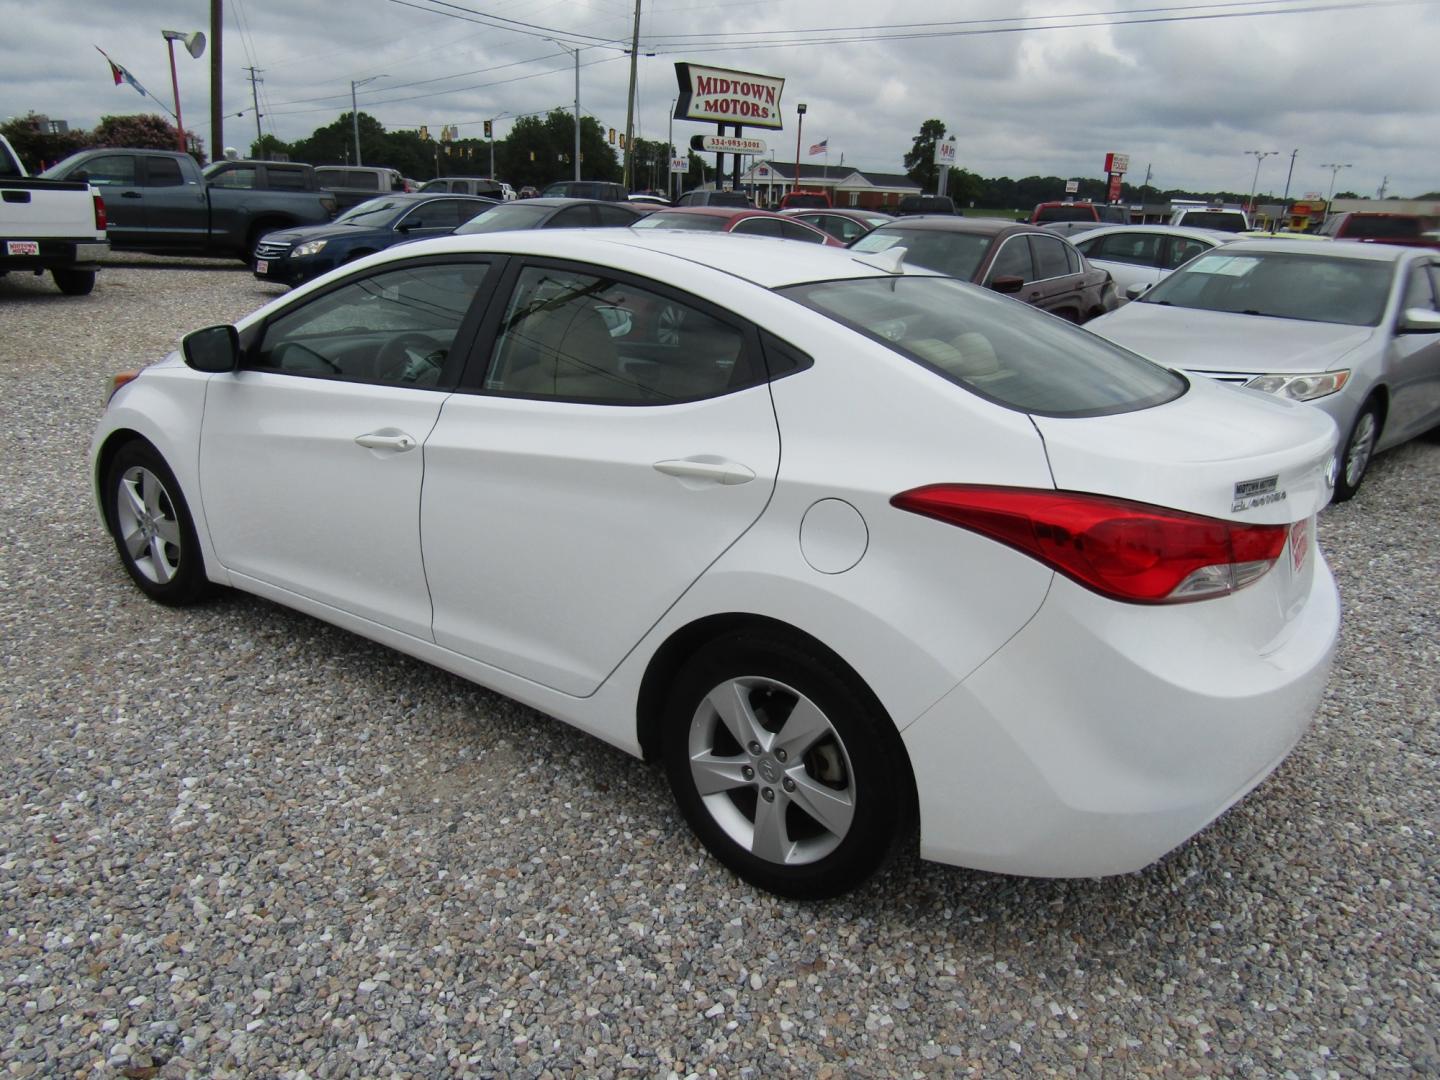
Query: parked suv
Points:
[1407, 230]
[1219, 218]
[468, 185]
[1079, 211]
[713, 198]
[604, 190]
[354, 184]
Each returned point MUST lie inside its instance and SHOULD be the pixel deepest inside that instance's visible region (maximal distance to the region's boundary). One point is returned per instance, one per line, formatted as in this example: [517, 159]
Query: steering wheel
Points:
[410, 358]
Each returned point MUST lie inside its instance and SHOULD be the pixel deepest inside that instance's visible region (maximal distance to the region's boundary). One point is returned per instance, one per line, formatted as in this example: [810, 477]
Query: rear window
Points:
[955, 253]
[506, 217]
[806, 200]
[1214, 219]
[1007, 353]
[1383, 228]
[693, 222]
[1065, 213]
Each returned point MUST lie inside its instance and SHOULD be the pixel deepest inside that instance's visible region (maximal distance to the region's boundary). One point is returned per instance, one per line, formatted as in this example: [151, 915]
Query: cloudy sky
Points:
[1027, 86]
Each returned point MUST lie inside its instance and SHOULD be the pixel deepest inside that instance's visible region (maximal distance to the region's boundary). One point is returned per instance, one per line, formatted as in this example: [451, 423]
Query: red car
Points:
[735, 219]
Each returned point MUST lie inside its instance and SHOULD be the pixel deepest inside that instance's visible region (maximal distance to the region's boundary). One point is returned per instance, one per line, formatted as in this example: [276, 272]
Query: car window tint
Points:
[1012, 260]
[112, 169]
[1050, 261]
[394, 327]
[1130, 246]
[367, 180]
[577, 337]
[286, 179]
[1182, 250]
[1072, 259]
[238, 176]
[163, 172]
[575, 217]
[437, 214]
[758, 227]
[1008, 353]
[791, 231]
[1435, 281]
[613, 216]
[1418, 292]
[955, 253]
[691, 222]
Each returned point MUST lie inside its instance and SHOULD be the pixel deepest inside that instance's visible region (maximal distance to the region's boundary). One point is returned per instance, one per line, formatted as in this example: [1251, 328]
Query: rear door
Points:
[1056, 288]
[602, 458]
[177, 211]
[1414, 358]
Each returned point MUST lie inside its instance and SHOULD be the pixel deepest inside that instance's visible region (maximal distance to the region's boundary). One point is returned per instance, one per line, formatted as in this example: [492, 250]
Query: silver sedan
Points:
[1144, 254]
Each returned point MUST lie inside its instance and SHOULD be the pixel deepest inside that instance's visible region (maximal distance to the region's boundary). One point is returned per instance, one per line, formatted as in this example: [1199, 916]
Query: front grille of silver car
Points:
[1236, 378]
[268, 250]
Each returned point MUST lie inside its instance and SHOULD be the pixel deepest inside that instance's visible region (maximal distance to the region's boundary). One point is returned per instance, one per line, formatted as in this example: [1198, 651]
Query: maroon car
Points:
[735, 219]
[1028, 263]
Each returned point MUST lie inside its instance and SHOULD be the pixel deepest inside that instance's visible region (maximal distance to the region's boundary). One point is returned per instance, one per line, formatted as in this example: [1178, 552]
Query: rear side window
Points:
[1050, 261]
[286, 179]
[162, 172]
[1137, 248]
[1014, 356]
[1383, 228]
[369, 181]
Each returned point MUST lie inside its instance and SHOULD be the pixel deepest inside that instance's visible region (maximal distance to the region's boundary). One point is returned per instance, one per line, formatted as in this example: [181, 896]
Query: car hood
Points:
[1216, 450]
[321, 232]
[1224, 341]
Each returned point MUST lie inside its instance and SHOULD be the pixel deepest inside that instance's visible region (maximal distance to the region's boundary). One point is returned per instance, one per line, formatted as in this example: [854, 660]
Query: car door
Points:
[310, 459]
[595, 469]
[1130, 256]
[1056, 288]
[434, 217]
[120, 181]
[177, 212]
[1414, 358]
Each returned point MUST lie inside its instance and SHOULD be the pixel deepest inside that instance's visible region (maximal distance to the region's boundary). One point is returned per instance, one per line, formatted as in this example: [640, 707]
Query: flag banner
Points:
[821, 147]
[119, 74]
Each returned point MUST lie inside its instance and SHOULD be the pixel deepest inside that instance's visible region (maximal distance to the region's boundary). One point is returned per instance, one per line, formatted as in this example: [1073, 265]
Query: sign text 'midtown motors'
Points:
[728, 97]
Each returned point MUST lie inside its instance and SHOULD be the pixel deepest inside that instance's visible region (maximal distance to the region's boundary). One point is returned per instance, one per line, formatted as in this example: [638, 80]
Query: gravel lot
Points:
[235, 842]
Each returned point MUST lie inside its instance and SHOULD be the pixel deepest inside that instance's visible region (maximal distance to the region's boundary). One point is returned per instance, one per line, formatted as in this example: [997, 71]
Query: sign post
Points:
[728, 97]
[1116, 166]
[945, 158]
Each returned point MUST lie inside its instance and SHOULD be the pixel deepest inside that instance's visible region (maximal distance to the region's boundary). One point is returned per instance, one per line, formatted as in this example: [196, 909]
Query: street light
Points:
[195, 45]
[355, 112]
[799, 127]
[1330, 197]
[576, 52]
[1260, 155]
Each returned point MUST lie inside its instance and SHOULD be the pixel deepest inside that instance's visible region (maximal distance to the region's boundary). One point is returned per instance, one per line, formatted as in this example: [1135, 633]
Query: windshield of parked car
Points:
[695, 222]
[1282, 285]
[372, 213]
[955, 253]
[506, 217]
[1013, 355]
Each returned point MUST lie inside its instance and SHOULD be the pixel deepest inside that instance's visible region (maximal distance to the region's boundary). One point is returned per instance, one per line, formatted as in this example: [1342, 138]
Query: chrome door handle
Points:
[376, 441]
[720, 472]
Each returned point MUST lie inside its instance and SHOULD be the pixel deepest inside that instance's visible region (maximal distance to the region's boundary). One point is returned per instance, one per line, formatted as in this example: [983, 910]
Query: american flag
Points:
[821, 147]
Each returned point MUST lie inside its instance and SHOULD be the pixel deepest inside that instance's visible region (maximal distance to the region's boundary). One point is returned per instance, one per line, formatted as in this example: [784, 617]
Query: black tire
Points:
[74, 282]
[1355, 454]
[851, 765]
[152, 527]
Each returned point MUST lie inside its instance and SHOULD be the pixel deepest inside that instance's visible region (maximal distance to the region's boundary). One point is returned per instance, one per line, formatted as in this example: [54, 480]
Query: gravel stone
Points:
[236, 842]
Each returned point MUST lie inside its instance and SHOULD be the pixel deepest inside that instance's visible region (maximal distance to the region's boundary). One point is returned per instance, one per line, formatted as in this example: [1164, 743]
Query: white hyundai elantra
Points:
[849, 546]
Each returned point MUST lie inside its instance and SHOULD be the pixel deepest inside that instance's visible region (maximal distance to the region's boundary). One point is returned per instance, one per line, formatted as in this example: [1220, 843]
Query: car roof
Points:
[562, 200]
[401, 197]
[659, 253]
[1366, 252]
[716, 211]
[948, 223]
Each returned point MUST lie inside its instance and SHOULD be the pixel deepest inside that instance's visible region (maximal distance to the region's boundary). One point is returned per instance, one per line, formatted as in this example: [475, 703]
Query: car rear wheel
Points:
[152, 527]
[785, 766]
[74, 282]
[1359, 448]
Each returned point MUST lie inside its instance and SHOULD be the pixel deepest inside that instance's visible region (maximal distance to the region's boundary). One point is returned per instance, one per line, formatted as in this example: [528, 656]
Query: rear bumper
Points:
[1086, 747]
[63, 254]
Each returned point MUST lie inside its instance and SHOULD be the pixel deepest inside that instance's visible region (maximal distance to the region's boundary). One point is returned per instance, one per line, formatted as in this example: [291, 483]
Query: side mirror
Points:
[213, 350]
[1419, 321]
[1008, 283]
[1137, 290]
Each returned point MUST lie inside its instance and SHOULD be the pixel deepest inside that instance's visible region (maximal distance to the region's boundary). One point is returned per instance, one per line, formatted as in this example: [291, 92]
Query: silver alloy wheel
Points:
[771, 770]
[1362, 445]
[149, 528]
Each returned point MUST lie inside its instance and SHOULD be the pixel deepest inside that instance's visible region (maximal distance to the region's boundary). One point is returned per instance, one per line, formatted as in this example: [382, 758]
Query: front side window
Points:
[1313, 288]
[1182, 250]
[1012, 260]
[438, 214]
[1010, 354]
[394, 328]
[1418, 293]
[117, 170]
[578, 337]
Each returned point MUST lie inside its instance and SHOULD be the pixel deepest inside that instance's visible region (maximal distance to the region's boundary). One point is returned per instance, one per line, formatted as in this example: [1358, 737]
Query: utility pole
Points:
[1285, 199]
[630, 102]
[255, 99]
[1384, 185]
[355, 112]
[799, 127]
[217, 113]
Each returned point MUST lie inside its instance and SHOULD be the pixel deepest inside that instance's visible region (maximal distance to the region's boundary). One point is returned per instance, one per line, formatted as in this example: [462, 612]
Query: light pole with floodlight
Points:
[1260, 155]
[1330, 197]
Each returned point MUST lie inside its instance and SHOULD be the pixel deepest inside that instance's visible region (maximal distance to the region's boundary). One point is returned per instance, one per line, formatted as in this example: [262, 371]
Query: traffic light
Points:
[424, 131]
[489, 129]
[612, 136]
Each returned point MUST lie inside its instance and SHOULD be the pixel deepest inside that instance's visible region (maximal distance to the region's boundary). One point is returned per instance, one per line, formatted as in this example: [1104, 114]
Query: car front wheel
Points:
[785, 766]
[1355, 455]
[152, 527]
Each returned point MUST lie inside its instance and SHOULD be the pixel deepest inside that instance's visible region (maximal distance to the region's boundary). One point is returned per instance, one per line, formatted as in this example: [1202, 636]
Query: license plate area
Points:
[261, 266]
[22, 247]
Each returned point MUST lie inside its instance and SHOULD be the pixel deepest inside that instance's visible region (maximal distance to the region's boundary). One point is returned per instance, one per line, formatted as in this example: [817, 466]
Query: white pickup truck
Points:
[55, 225]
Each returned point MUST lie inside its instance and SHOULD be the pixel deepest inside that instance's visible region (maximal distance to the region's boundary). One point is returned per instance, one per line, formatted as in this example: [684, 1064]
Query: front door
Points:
[603, 462]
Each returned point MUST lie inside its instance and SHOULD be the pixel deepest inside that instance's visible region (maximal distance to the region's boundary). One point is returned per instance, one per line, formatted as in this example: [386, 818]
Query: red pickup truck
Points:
[1407, 230]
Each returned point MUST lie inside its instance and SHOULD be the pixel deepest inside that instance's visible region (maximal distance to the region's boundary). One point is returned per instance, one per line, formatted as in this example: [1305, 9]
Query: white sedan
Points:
[850, 547]
[1145, 254]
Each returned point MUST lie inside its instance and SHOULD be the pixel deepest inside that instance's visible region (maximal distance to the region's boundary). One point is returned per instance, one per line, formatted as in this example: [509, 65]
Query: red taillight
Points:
[101, 222]
[1124, 550]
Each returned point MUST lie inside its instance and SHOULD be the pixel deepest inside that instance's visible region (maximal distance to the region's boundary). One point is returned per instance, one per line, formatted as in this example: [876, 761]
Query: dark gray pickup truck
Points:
[160, 201]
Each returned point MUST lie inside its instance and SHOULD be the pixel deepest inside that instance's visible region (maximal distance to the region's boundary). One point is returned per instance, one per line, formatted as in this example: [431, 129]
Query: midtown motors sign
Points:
[728, 97]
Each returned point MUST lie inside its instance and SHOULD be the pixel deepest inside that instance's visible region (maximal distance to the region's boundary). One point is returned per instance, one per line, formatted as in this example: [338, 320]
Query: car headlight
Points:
[1306, 387]
[312, 247]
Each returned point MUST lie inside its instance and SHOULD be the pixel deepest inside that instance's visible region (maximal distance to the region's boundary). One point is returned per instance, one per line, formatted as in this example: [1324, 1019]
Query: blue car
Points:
[293, 256]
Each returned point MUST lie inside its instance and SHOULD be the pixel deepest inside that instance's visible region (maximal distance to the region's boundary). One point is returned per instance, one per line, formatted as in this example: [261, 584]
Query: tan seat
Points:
[565, 352]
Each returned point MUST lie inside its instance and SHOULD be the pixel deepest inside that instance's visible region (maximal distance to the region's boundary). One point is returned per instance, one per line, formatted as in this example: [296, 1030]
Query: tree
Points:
[539, 152]
[270, 148]
[920, 161]
[145, 131]
[37, 146]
